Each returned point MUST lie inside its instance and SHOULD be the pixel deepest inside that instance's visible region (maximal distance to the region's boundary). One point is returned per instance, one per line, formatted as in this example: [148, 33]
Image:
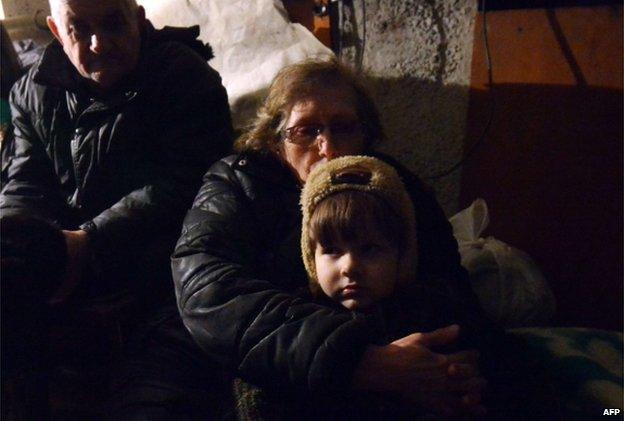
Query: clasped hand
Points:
[410, 367]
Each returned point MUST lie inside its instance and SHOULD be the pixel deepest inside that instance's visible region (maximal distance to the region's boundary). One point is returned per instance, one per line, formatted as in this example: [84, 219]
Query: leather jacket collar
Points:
[267, 167]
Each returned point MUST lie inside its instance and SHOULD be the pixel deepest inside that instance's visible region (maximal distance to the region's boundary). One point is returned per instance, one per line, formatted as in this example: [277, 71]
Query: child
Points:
[357, 217]
[358, 244]
[359, 248]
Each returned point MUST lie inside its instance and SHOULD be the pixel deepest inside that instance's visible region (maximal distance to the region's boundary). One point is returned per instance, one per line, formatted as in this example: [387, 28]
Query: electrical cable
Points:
[481, 138]
[363, 44]
[340, 29]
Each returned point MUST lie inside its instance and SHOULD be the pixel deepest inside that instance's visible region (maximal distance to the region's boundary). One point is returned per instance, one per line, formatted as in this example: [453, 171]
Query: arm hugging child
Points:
[358, 244]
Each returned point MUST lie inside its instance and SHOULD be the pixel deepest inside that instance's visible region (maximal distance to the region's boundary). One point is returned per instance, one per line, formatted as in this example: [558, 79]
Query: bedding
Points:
[584, 364]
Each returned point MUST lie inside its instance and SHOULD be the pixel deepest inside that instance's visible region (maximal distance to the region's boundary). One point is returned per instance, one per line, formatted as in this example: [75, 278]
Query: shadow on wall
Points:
[425, 124]
[551, 172]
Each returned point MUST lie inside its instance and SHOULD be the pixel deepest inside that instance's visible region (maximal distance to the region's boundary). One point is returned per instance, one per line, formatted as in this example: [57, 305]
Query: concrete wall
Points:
[418, 53]
[13, 8]
[26, 19]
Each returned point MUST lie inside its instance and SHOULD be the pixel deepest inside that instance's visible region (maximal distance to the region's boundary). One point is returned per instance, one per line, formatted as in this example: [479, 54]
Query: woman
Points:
[237, 264]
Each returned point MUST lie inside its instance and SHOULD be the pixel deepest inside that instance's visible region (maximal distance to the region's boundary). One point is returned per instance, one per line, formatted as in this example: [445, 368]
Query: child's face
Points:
[357, 274]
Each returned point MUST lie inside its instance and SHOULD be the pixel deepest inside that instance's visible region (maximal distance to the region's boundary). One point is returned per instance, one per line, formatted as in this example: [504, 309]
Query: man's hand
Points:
[77, 257]
[408, 367]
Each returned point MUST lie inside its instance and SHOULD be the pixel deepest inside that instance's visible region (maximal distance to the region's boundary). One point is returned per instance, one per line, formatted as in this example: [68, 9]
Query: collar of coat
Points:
[267, 167]
[55, 69]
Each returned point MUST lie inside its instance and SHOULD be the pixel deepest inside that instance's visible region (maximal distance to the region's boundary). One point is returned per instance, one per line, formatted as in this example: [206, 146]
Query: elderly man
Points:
[114, 127]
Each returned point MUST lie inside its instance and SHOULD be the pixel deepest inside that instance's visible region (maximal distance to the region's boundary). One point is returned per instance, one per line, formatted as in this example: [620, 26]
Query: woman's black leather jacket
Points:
[237, 267]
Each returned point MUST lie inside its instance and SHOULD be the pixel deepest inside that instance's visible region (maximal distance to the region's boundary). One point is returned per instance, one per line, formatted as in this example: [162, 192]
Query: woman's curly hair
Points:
[292, 84]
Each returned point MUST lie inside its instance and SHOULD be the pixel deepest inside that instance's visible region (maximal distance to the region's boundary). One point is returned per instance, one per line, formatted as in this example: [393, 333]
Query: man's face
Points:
[101, 38]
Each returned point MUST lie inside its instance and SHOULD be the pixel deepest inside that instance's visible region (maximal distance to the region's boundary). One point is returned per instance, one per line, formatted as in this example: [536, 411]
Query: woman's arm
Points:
[269, 336]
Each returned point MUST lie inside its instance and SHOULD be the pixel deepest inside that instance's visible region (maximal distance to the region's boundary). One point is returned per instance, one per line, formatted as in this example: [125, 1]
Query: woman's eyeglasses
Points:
[306, 134]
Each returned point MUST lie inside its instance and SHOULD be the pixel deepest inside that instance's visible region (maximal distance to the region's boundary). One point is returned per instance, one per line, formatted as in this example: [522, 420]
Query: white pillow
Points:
[252, 40]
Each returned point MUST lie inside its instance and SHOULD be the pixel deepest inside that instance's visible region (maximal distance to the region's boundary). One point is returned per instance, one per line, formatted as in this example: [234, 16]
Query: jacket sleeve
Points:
[191, 128]
[269, 336]
[31, 186]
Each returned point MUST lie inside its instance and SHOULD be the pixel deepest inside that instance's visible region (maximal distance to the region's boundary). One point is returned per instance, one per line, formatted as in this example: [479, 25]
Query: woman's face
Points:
[331, 113]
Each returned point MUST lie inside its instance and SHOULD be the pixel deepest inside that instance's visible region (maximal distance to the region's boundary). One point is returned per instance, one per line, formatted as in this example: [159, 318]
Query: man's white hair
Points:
[55, 4]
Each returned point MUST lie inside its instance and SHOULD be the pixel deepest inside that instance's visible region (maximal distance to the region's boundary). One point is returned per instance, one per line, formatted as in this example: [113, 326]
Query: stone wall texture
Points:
[14, 8]
[26, 19]
[417, 54]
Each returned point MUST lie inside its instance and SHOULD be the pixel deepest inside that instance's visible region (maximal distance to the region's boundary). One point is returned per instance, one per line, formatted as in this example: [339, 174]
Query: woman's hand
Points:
[409, 367]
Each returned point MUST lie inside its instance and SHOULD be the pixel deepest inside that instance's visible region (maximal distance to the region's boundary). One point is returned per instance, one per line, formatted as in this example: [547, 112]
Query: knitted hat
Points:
[361, 173]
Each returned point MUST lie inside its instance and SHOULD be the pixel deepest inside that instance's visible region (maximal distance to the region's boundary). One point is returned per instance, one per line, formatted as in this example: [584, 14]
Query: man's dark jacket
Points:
[237, 268]
[124, 167]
